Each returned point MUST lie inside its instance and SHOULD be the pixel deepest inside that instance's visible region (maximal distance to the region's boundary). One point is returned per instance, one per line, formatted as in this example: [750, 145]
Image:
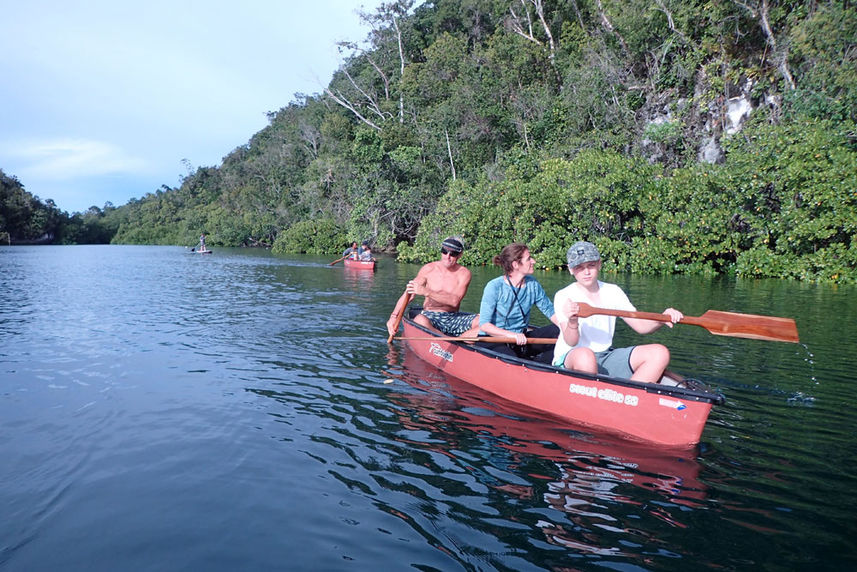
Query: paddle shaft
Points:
[399, 313]
[719, 323]
[751, 326]
[339, 260]
[486, 339]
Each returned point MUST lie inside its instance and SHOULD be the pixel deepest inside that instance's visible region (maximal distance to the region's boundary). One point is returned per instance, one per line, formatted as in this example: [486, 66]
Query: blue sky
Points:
[102, 100]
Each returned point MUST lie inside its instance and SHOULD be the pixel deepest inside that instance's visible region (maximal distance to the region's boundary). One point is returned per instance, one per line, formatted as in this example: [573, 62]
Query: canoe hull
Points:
[580, 454]
[360, 264]
[670, 416]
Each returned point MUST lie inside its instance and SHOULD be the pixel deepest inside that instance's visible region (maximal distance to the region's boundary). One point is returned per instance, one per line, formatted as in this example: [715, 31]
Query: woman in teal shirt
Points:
[507, 301]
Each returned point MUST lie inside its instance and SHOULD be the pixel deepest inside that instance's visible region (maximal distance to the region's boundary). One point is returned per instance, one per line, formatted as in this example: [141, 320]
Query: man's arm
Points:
[403, 301]
[398, 310]
[568, 322]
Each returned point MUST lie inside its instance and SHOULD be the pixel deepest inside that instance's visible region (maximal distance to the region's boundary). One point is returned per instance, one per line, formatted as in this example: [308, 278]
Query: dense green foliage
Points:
[548, 121]
[784, 204]
[311, 236]
[25, 219]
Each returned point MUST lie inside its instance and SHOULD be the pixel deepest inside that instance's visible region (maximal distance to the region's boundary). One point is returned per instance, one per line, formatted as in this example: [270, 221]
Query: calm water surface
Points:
[167, 411]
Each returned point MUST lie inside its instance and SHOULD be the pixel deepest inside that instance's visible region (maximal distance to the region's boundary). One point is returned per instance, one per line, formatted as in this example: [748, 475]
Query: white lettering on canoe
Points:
[611, 395]
[605, 393]
[437, 350]
[582, 390]
[672, 403]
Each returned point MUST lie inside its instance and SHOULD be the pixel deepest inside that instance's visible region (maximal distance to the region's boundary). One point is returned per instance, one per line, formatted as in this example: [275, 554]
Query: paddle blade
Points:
[747, 326]
[751, 326]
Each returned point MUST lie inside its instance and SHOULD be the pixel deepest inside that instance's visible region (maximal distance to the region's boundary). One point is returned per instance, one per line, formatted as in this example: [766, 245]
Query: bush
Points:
[783, 205]
[596, 196]
[312, 237]
[798, 188]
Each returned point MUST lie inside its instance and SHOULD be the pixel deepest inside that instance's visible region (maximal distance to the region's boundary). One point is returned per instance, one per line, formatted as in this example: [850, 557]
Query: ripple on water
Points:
[244, 410]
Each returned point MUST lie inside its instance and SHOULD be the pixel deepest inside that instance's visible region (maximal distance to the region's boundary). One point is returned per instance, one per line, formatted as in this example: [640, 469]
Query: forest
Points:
[693, 136]
[26, 219]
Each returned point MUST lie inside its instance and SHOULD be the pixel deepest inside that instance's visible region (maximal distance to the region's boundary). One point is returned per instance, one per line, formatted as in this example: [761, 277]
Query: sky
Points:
[107, 100]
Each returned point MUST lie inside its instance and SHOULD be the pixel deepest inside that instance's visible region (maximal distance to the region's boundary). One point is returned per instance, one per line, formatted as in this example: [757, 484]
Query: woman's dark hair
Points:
[510, 253]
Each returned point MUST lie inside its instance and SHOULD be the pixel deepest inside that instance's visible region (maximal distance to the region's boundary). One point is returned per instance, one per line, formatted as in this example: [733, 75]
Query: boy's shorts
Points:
[615, 362]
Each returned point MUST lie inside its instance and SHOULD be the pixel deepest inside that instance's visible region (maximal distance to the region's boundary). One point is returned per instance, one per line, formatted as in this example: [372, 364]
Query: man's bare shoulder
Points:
[432, 267]
[428, 269]
[438, 267]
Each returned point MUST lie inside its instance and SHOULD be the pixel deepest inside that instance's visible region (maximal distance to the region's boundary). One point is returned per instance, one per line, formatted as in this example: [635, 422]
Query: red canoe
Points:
[583, 458]
[665, 415]
[360, 264]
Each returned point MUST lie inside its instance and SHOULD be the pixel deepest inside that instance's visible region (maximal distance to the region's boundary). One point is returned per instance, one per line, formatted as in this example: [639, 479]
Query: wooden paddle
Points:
[335, 261]
[486, 339]
[399, 313]
[718, 323]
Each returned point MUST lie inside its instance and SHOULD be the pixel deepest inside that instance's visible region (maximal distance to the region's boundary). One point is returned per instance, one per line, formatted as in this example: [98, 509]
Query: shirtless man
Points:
[443, 283]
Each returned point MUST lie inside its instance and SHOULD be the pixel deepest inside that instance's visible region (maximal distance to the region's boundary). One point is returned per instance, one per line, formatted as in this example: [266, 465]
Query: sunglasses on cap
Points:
[452, 253]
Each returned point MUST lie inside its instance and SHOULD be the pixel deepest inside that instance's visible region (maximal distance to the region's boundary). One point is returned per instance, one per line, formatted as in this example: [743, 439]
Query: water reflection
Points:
[584, 478]
[358, 277]
[153, 403]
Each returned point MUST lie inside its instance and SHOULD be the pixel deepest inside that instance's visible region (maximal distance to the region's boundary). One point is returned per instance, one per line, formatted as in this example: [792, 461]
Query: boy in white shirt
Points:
[585, 344]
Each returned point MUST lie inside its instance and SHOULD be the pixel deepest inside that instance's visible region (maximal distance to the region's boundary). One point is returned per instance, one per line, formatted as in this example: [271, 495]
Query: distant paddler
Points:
[201, 246]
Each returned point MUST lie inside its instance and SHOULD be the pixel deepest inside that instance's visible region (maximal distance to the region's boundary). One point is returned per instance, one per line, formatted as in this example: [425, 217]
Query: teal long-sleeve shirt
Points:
[509, 308]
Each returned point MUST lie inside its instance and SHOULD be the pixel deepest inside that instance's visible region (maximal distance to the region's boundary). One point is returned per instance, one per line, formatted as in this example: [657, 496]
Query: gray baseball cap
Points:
[581, 253]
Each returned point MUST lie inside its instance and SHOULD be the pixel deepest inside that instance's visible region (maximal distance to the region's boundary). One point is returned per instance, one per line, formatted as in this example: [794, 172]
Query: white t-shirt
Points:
[596, 332]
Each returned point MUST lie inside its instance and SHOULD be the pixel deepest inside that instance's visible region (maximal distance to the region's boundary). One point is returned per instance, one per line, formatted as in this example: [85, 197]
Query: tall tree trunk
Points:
[401, 69]
[449, 150]
[761, 12]
[783, 63]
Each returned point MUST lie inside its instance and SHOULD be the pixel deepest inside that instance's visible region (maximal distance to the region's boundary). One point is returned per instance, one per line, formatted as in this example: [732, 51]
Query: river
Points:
[162, 410]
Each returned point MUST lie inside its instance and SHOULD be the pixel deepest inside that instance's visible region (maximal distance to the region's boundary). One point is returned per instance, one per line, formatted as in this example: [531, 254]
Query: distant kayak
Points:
[194, 251]
[360, 264]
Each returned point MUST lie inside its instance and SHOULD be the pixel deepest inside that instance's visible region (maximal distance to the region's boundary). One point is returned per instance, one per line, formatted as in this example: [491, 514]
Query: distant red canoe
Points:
[360, 264]
[666, 415]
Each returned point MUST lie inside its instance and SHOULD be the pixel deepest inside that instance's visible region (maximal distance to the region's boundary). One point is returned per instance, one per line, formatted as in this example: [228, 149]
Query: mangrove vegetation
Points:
[697, 136]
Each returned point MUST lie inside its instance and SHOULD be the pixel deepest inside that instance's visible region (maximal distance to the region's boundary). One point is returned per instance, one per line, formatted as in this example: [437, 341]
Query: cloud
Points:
[59, 159]
[103, 99]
